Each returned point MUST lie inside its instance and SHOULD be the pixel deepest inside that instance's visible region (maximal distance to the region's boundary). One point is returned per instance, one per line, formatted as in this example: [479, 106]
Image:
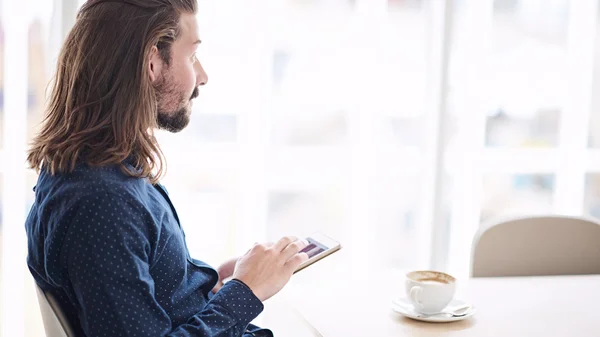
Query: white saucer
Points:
[405, 308]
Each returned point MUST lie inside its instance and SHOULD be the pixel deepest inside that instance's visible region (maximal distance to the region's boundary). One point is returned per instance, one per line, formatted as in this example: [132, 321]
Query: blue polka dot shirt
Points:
[111, 250]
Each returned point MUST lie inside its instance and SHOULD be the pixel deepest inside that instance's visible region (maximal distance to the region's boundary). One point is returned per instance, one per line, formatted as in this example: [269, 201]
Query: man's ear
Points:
[155, 64]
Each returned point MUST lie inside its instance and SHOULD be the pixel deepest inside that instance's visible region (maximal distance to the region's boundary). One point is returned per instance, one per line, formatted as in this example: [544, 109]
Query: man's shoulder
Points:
[86, 181]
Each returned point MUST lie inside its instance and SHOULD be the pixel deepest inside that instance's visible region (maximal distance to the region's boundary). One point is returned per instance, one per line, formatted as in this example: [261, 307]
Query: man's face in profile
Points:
[177, 83]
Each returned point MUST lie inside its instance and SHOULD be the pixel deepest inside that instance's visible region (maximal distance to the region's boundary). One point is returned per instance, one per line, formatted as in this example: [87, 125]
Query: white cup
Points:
[430, 291]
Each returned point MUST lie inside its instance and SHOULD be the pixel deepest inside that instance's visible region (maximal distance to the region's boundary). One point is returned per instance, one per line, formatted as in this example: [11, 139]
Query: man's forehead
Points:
[189, 27]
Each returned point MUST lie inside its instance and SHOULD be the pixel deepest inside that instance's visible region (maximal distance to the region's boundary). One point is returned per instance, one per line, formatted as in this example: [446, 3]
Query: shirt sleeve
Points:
[108, 260]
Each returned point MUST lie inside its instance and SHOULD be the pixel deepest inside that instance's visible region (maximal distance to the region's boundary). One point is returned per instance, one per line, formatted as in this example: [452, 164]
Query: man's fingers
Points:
[292, 249]
[283, 243]
[295, 261]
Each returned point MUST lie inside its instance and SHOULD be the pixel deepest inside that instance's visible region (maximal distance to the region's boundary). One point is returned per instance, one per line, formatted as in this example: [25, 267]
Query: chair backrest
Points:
[55, 321]
[535, 246]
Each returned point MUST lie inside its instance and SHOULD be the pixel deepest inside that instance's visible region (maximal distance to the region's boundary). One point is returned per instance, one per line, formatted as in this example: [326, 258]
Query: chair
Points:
[536, 246]
[55, 321]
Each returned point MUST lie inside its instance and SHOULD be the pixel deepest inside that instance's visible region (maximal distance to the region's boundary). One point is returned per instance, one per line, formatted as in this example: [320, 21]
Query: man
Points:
[103, 236]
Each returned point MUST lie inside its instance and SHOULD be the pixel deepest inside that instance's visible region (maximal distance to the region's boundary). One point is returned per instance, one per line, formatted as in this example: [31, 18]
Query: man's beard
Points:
[173, 121]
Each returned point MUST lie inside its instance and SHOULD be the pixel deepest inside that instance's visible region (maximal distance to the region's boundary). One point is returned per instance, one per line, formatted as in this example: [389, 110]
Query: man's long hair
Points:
[102, 108]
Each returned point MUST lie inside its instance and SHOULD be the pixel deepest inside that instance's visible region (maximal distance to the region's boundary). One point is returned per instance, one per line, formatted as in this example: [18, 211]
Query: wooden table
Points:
[358, 303]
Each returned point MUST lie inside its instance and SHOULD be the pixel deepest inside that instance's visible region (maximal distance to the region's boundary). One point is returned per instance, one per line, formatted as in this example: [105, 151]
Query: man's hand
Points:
[225, 270]
[267, 268]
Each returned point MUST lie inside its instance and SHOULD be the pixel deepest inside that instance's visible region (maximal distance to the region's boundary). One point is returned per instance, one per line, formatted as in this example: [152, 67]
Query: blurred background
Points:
[397, 126]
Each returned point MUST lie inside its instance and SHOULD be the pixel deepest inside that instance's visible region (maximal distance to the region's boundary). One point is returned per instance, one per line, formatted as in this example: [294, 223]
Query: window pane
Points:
[303, 129]
[212, 128]
[401, 131]
[393, 235]
[208, 218]
[1, 226]
[305, 212]
[1, 84]
[309, 106]
[594, 129]
[399, 67]
[507, 195]
[232, 53]
[321, 4]
[206, 202]
[541, 130]
[1, 208]
[323, 77]
[592, 195]
[527, 73]
[521, 82]
[404, 4]
[41, 33]
[395, 87]
[38, 72]
[594, 136]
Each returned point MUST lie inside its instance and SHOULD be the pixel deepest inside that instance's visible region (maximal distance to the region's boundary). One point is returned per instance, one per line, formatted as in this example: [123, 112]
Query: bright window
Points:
[394, 126]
